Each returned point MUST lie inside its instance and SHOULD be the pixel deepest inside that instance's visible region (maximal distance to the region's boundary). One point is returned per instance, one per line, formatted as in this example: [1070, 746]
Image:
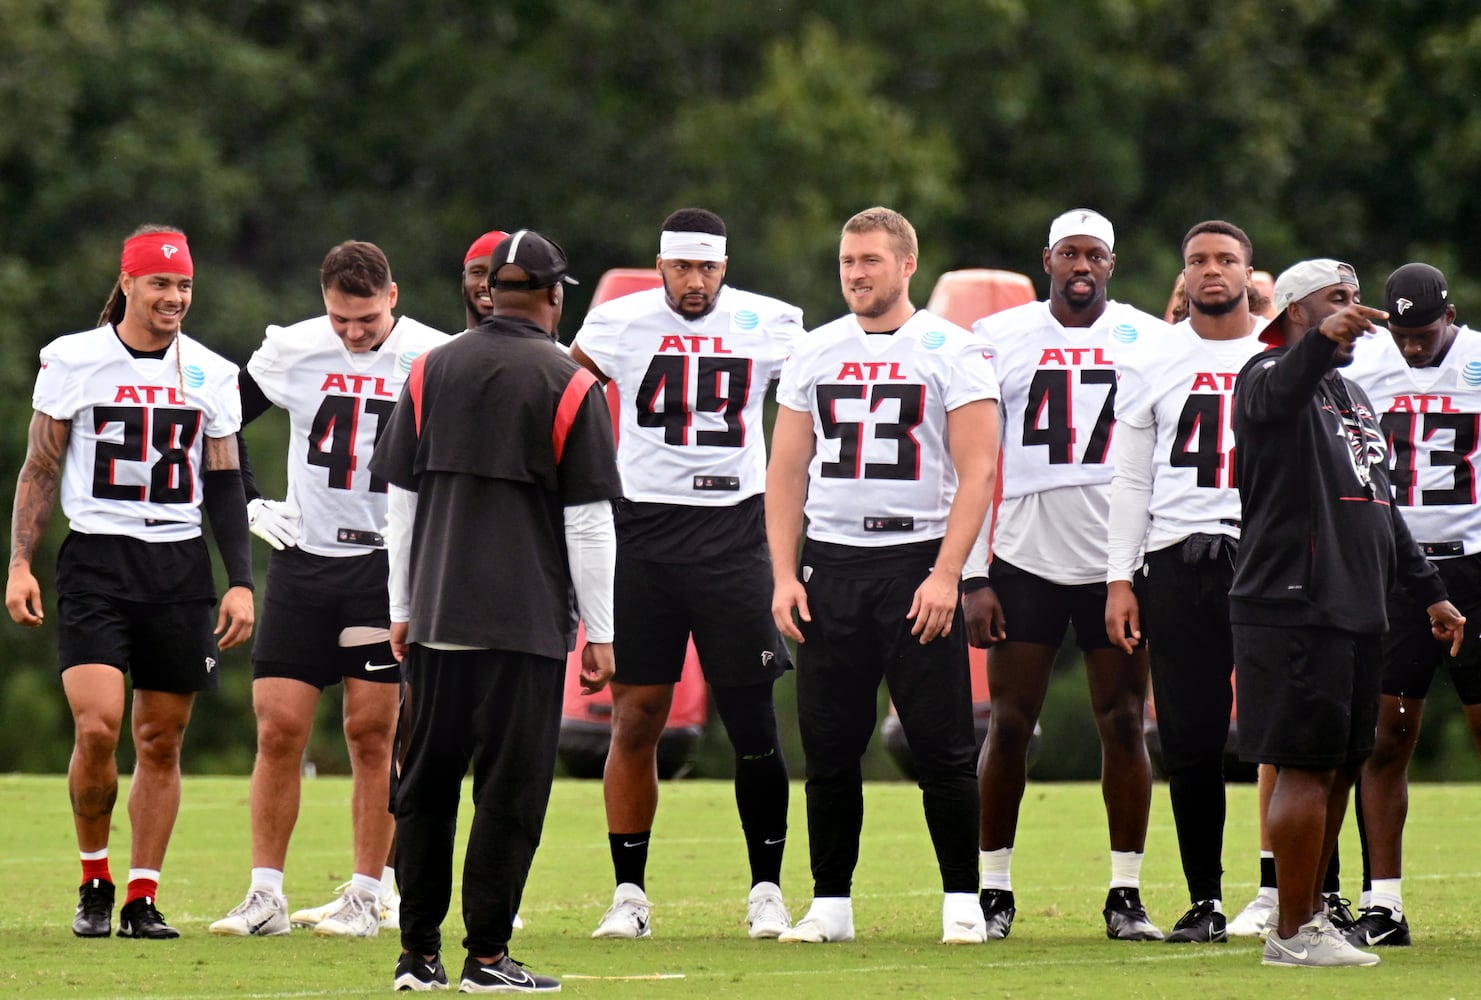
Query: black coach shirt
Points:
[497, 432]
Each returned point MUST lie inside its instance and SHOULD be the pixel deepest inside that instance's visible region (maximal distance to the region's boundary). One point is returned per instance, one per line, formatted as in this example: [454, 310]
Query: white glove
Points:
[274, 521]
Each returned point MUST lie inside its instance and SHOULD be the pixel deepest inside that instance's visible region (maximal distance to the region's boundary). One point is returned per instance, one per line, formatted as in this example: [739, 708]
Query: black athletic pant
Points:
[1185, 617]
[859, 635]
[500, 712]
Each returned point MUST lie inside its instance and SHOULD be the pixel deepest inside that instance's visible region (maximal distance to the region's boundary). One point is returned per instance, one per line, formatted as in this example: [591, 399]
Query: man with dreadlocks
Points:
[125, 415]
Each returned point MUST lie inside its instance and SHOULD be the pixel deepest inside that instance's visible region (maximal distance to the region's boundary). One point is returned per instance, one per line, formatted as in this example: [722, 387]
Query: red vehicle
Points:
[964, 297]
[586, 722]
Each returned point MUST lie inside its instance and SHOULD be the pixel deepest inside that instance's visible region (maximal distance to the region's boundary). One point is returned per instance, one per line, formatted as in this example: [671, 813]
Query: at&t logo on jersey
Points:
[194, 376]
[745, 319]
[404, 361]
[1124, 333]
[1471, 373]
[932, 340]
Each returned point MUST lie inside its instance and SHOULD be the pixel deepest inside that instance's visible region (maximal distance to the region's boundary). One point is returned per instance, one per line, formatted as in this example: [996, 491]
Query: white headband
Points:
[691, 246]
[1083, 222]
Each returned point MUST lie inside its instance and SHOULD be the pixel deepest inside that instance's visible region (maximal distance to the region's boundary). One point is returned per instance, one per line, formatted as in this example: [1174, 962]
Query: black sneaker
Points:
[1126, 917]
[1377, 927]
[94, 909]
[998, 910]
[504, 976]
[413, 972]
[1339, 911]
[140, 919]
[1202, 924]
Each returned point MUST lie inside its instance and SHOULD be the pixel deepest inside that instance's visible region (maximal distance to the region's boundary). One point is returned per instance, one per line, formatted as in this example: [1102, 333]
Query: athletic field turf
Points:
[697, 879]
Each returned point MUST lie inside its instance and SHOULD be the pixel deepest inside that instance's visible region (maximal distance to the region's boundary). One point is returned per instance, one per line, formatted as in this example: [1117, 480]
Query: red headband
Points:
[484, 245]
[157, 253]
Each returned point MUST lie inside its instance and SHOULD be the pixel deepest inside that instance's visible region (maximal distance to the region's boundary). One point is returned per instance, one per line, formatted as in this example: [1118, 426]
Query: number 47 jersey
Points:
[692, 391]
[337, 403]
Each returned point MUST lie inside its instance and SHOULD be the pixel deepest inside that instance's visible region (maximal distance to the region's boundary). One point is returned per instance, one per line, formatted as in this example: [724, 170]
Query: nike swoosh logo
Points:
[525, 979]
[1299, 956]
[260, 926]
[1376, 938]
[633, 843]
[430, 968]
[378, 666]
[772, 843]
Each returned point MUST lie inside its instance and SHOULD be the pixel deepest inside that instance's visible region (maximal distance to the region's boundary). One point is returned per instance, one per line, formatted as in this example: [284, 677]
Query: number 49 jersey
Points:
[138, 431]
[692, 391]
[337, 403]
[1059, 392]
[1183, 386]
[881, 473]
[1432, 419]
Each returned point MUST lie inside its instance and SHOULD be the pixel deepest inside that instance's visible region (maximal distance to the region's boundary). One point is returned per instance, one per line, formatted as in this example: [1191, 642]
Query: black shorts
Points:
[1411, 653]
[726, 606]
[310, 600]
[166, 646]
[1308, 697]
[1038, 611]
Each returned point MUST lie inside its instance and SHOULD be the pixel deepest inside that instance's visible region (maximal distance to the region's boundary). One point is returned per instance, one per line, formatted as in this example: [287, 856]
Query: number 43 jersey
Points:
[337, 402]
[138, 431]
[1432, 420]
[692, 391]
[881, 473]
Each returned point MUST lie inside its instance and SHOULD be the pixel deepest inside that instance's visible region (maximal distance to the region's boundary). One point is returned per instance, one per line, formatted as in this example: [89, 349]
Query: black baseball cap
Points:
[1415, 295]
[538, 256]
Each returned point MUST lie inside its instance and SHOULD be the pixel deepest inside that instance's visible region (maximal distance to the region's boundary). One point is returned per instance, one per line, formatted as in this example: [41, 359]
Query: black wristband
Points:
[975, 583]
[226, 506]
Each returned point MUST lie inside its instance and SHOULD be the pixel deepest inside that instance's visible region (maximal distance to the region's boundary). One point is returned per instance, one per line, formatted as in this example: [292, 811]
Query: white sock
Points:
[997, 869]
[388, 880]
[1365, 900]
[94, 855]
[1126, 869]
[1218, 905]
[1268, 893]
[1386, 893]
[831, 908]
[145, 873]
[368, 884]
[267, 878]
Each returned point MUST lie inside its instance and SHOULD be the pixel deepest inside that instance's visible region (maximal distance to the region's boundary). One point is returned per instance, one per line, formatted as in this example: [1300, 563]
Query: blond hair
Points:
[881, 219]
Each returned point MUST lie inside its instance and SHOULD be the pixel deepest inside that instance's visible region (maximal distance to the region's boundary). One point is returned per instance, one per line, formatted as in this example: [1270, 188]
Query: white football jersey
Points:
[337, 403]
[1059, 392]
[882, 472]
[692, 391]
[1432, 418]
[1183, 386]
[139, 425]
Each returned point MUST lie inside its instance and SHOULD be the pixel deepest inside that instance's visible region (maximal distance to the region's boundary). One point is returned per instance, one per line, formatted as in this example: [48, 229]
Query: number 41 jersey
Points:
[692, 391]
[139, 426]
[1432, 419]
[337, 403]
[882, 472]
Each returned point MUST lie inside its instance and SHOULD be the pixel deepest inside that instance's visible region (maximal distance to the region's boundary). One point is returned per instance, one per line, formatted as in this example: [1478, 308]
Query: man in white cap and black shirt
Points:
[1424, 378]
[1321, 546]
[1048, 554]
[1175, 511]
[692, 361]
[502, 468]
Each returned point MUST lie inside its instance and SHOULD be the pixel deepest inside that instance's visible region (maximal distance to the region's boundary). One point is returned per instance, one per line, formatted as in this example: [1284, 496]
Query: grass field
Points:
[698, 879]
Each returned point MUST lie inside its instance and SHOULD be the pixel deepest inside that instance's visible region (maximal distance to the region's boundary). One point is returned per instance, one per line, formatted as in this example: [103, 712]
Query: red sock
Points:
[95, 868]
[141, 887]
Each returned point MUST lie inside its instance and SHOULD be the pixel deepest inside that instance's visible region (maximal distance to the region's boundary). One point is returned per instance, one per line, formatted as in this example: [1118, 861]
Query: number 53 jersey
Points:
[138, 431]
[692, 391]
[881, 473]
[1432, 420]
[337, 403]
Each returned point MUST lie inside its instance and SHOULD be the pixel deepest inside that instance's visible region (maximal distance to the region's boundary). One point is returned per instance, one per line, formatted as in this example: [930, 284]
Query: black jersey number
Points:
[332, 438]
[1048, 418]
[1200, 441]
[1401, 430]
[173, 434]
[850, 435]
[723, 386]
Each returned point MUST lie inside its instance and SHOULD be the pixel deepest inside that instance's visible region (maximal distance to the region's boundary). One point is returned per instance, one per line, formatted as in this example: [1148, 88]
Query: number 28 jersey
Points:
[337, 403]
[139, 426]
[1432, 420]
[692, 391]
[881, 472]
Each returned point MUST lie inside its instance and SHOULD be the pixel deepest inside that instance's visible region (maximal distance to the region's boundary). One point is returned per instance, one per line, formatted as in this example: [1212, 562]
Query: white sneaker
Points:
[826, 920]
[310, 917]
[390, 909]
[627, 917]
[1252, 919]
[766, 914]
[1316, 944]
[519, 924]
[263, 913]
[962, 921]
[357, 915]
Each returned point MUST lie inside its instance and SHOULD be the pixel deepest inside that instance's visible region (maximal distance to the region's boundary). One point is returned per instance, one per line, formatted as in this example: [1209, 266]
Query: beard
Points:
[1223, 308]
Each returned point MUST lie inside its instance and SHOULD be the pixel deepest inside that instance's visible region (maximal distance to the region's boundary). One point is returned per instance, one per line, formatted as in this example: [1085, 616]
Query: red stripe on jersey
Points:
[570, 405]
[414, 386]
